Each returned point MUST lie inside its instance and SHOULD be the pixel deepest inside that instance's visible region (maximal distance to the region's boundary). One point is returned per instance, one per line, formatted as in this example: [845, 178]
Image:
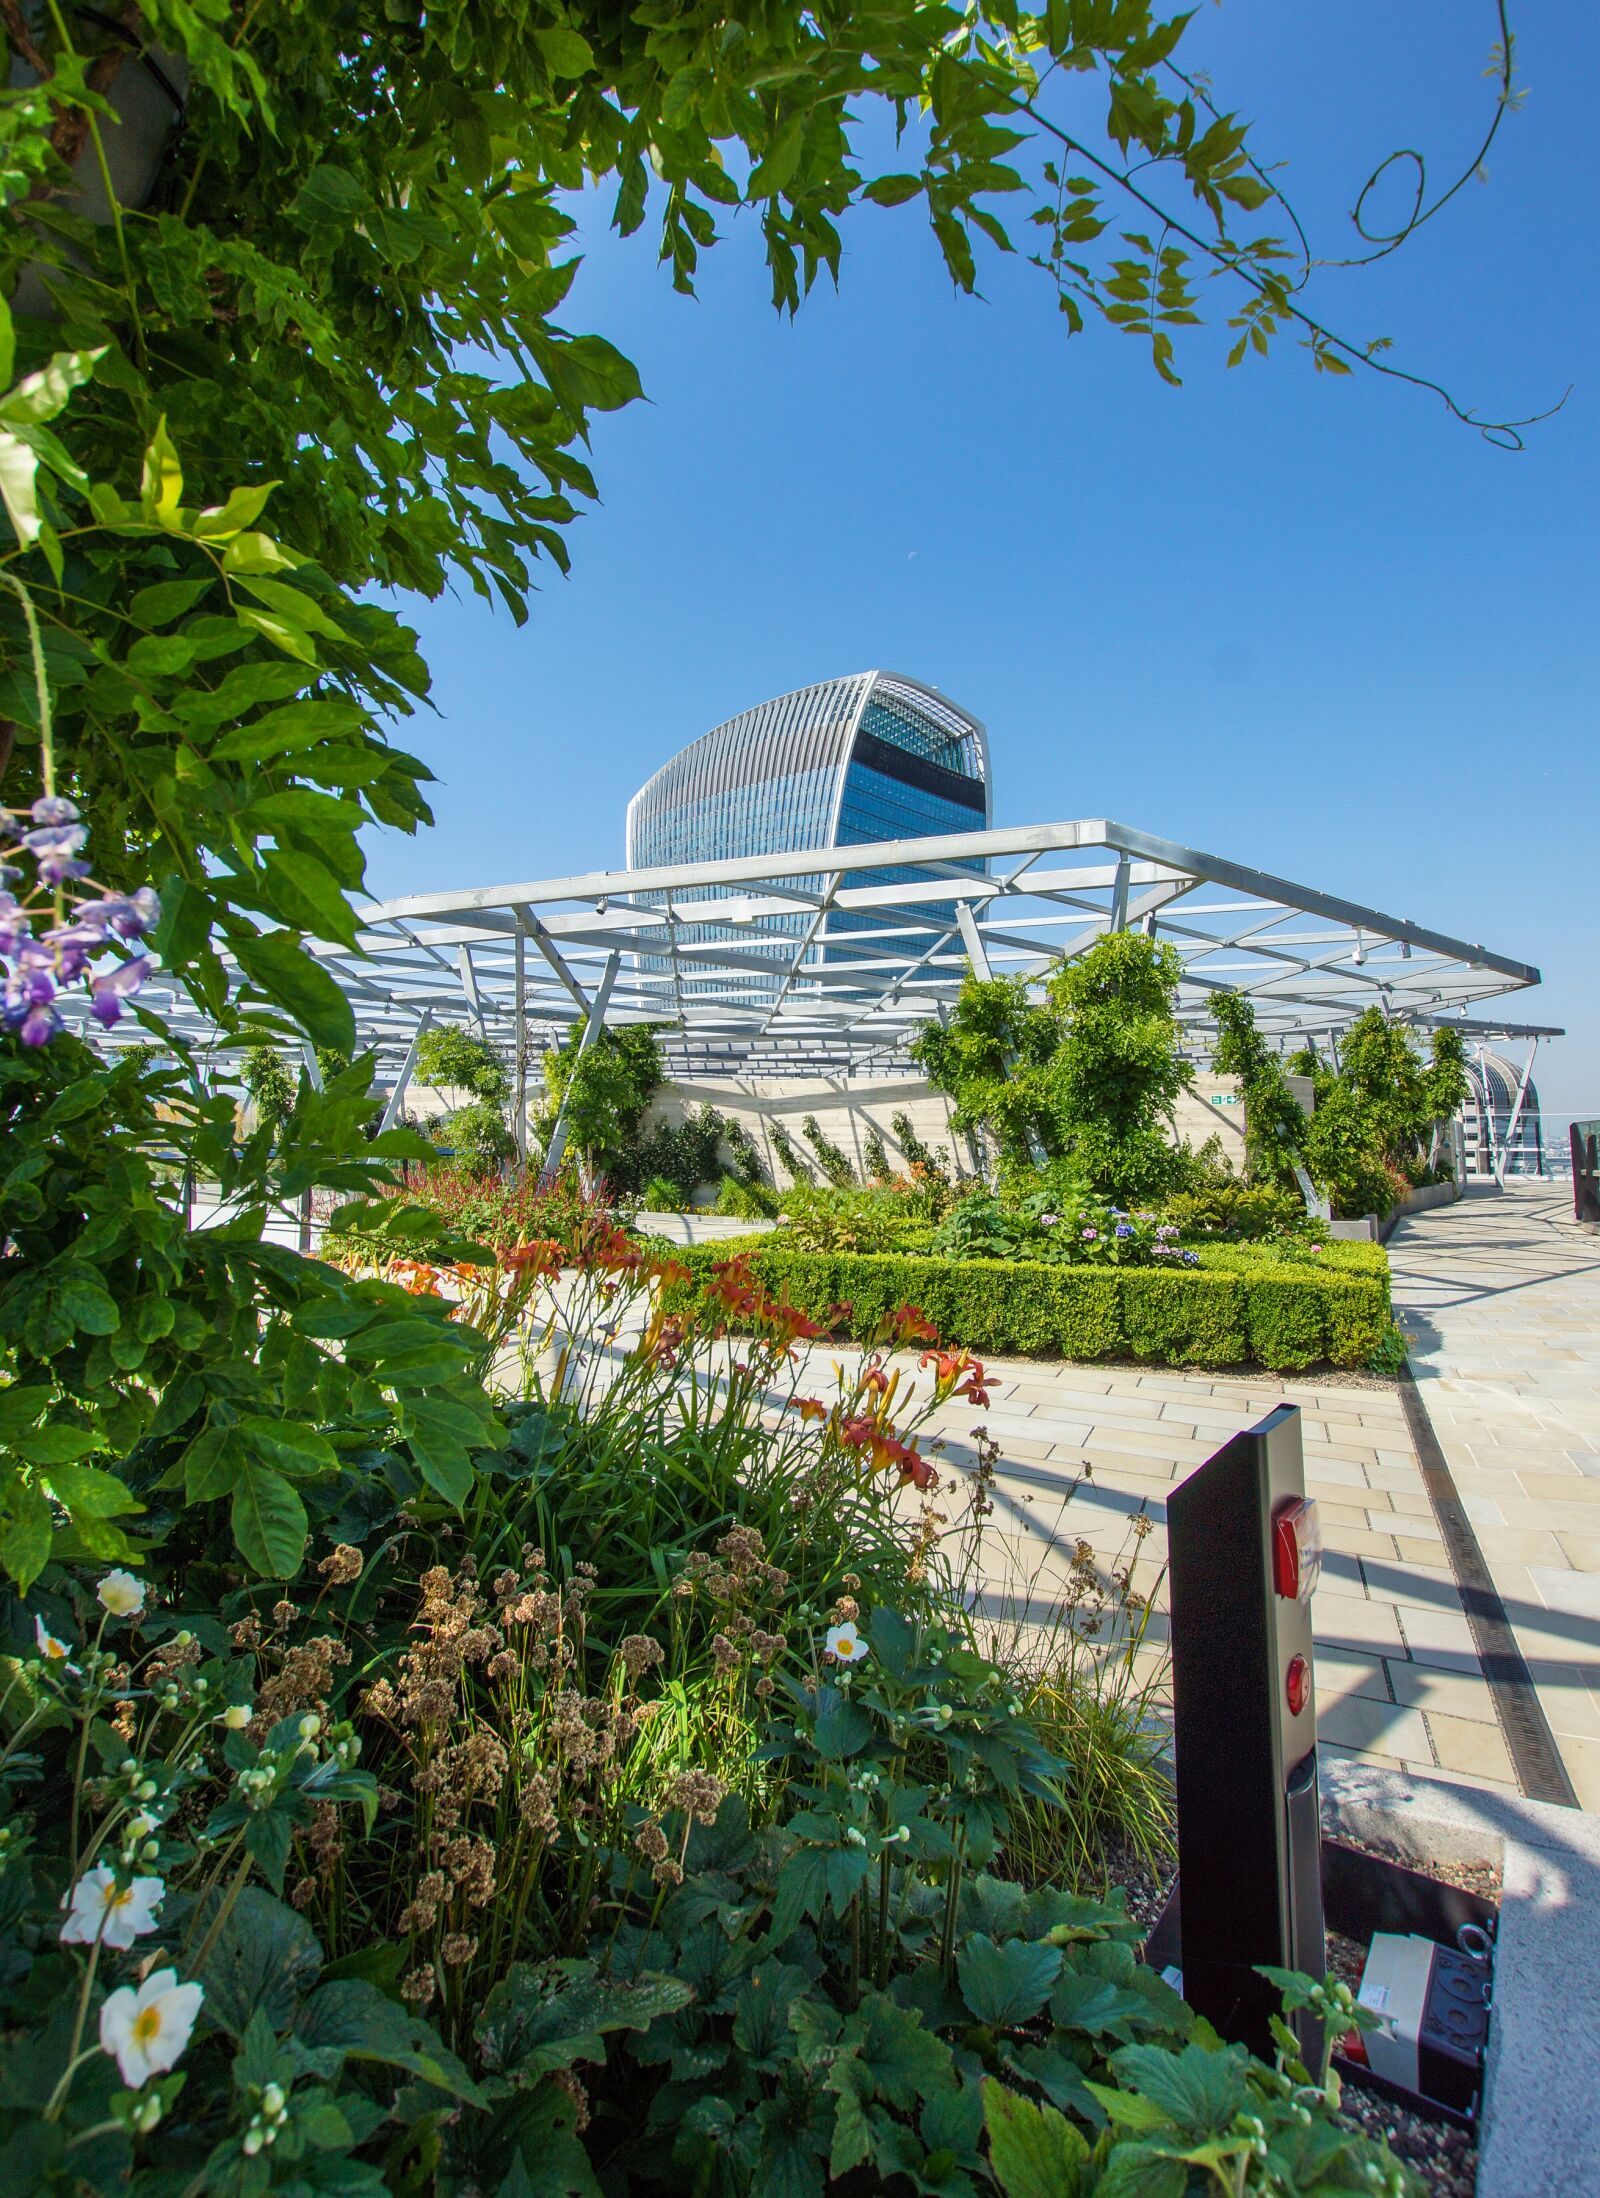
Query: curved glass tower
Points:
[874, 756]
[871, 757]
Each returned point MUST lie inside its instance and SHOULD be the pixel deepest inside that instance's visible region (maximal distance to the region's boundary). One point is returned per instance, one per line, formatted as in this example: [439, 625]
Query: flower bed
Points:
[1242, 1304]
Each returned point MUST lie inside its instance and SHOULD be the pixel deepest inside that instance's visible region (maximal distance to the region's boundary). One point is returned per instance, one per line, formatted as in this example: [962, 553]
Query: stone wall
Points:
[846, 1107]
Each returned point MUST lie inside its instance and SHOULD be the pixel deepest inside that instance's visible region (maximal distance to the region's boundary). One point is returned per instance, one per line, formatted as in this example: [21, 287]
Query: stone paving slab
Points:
[1499, 1295]
[1398, 1682]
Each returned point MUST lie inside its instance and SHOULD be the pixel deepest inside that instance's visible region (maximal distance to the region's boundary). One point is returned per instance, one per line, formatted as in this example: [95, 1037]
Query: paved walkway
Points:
[1398, 1680]
[1500, 1298]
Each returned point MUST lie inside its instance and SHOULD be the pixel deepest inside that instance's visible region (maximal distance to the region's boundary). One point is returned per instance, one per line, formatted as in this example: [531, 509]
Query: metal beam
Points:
[1516, 1116]
[591, 1030]
[396, 1098]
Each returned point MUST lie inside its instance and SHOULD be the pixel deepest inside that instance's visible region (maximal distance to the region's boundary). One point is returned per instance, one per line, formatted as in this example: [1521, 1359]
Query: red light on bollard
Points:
[1297, 1685]
[1296, 1549]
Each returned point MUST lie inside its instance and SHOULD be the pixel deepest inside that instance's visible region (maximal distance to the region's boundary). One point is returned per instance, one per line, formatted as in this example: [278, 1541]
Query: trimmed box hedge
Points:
[1240, 1306]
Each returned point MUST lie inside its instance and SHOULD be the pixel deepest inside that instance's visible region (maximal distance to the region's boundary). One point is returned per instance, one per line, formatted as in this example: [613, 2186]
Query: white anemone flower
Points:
[114, 1914]
[121, 1595]
[845, 1645]
[51, 1647]
[147, 2030]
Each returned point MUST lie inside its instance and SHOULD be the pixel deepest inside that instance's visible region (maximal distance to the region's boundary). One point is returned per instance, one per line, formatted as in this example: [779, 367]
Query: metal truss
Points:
[691, 947]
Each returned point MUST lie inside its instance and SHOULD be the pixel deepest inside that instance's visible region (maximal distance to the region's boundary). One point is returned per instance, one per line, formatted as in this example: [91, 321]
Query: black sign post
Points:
[1244, 1556]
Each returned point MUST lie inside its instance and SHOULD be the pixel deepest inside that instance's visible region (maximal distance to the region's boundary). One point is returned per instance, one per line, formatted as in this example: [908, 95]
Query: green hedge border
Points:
[1275, 1313]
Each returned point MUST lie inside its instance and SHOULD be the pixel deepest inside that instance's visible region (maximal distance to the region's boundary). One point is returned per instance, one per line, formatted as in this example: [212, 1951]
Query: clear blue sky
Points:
[1310, 624]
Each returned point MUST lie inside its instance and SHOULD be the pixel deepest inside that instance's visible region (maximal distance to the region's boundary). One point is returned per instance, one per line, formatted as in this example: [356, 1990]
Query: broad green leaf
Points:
[269, 1520]
[1034, 2152]
[892, 190]
[289, 1447]
[19, 465]
[39, 397]
[293, 640]
[841, 1727]
[287, 731]
[350, 2018]
[22, 1405]
[1142, 2171]
[254, 552]
[547, 2015]
[161, 489]
[87, 1304]
[566, 52]
[89, 1492]
[1199, 2092]
[25, 1531]
[278, 962]
[243, 508]
[1006, 1984]
[264, 1960]
[167, 600]
[56, 1445]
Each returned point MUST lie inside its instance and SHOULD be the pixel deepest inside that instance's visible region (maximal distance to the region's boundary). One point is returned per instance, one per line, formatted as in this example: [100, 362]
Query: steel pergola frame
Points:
[796, 964]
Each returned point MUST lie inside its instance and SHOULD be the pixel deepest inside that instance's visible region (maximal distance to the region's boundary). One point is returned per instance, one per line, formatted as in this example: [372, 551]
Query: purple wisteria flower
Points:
[42, 962]
[111, 991]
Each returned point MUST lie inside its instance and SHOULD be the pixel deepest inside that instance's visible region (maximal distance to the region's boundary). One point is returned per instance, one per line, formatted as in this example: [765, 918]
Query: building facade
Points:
[870, 757]
[874, 756]
[1500, 1125]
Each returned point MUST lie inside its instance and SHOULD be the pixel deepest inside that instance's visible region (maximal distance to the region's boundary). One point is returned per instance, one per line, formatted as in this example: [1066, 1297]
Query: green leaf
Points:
[25, 1532]
[587, 373]
[288, 1447]
[88, 1492]
[1130, 2109]
[167, 600]
[292, 640]
[58, 1445]
[841, 1727]
[1006, 1984]
[771, 174]
[264, 1959]
[278, 963]
[566, 52]
[1199, 2092]
[1140, 2171]
[88, 1305]
[350, 2019]
[547, 2015]
[39, 397]
[19, 466]
[1034, 2152]
[269, 1521]
[286, 731]
[161, 489]
[892, 190]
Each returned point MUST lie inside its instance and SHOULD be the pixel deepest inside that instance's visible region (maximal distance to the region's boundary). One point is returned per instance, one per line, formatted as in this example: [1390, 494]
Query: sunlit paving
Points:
[799, 1103]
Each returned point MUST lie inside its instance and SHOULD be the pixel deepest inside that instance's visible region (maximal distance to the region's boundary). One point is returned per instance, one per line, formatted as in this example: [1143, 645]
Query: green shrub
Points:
[745, 1201]
[835, 1164]
[1240, 1211]
[1232, 1309]
[661, 1195]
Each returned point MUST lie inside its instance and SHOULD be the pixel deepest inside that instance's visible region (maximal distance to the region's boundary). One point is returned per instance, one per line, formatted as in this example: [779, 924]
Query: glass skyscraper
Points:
[874, 756]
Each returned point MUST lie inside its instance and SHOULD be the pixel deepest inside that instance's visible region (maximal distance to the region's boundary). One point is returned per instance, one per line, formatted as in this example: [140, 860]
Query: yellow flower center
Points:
[146, 2025]
[120, 1898]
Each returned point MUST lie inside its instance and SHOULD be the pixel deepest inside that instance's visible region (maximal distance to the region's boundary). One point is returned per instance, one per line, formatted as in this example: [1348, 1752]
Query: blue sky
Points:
[1310, 624]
